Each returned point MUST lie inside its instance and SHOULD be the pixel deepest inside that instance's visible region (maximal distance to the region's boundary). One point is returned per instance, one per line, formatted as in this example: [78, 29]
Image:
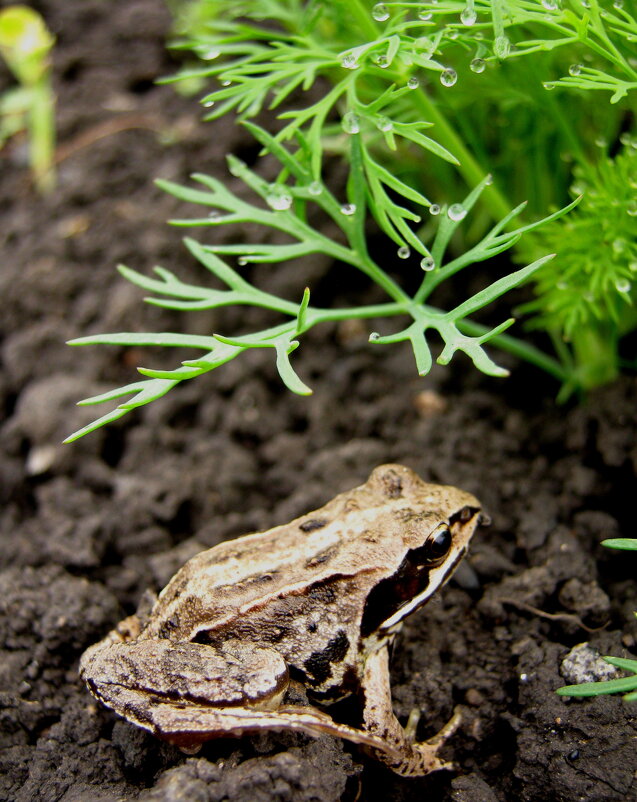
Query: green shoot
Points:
[283, 208]
[625, 685]
[25, 44]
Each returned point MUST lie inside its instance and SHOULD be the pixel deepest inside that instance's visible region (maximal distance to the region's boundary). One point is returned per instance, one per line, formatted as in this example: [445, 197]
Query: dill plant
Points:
[397, 92]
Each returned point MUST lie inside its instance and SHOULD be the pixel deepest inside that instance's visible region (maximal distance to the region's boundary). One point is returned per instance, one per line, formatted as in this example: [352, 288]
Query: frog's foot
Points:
[415, 758]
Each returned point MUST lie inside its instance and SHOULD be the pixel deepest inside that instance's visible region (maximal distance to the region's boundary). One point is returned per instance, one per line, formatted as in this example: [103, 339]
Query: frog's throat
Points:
[437, 578]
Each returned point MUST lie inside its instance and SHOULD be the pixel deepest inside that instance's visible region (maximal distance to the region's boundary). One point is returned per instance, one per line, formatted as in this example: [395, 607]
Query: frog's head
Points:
[435, 524]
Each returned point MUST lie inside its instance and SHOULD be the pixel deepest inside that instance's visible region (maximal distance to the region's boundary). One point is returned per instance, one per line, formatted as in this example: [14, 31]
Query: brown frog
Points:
[317, 601]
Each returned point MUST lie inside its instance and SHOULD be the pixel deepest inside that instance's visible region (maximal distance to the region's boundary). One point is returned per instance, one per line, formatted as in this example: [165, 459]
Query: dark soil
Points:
[87, 528]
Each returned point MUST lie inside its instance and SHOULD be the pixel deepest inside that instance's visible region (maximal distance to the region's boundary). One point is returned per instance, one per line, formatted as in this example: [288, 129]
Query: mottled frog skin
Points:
[316, 601]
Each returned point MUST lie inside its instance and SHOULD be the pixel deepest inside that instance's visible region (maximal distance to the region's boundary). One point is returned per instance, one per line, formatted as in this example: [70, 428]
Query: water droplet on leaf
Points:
[456, 212]
[413, 83]
[278, 199]
[427, 263]
[384, 124]
[631, 208]
[425, 16]
[434, 209]
[351, 123]
[478, 65]
[448, 77]
[382, 62]
[349, 62]
[403, 252]
[550, 5]
[622, 285]
[574, 70]
[468, 16]
[380, 12]
[315, 188]
[348, 209]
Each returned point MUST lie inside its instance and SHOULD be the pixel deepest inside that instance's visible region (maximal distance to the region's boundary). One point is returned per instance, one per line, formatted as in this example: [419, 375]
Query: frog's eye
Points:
[438, 545]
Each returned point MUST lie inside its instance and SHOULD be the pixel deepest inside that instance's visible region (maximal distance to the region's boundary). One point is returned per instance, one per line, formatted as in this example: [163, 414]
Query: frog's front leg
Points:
[415, 758]
[188, 693]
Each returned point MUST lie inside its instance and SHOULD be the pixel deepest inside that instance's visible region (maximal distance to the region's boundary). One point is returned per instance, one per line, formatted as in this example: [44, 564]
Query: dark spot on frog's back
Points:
[319, 664]
[312, 524]
[169, 626]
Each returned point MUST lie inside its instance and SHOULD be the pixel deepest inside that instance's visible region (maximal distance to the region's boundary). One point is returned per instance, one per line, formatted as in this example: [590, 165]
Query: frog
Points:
[314, 604]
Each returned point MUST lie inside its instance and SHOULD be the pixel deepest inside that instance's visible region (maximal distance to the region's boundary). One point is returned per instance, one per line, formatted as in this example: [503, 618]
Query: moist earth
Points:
[87, 528]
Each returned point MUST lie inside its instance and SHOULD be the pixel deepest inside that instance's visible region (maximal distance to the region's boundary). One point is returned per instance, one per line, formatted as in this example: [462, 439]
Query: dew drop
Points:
[380, 12]
[208, 104]
[452, 34]
[619, 245]
[348, 209]
[425, 16]
[227, 82]
[456, 212]
[278, 199]
[468, 16]
[574, 70]
[403, 252]
[243, 261]
[434, 209]
[374, 337]
[349, 62]
[210, 55]
[618, 4]
[488, 180]
[622, 285]
[502, 46]
[315, 188]
[448, 77]
[427, 263]
[214, 215]
[413, 83]
[382, 62]
[550, 5]
[631, 208]
[601, 142]
[478, 65]
[548, 85]
[384, 124]
[351, 123]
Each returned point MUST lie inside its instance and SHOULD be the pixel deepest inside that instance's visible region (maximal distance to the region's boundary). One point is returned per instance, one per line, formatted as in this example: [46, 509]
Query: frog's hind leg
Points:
[188, 693]
[188, 726]
[415, 758]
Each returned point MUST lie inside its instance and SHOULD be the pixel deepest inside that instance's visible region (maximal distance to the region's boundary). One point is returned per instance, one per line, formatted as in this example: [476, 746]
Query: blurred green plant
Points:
[625, 685]
[25, 45]
[586, 299]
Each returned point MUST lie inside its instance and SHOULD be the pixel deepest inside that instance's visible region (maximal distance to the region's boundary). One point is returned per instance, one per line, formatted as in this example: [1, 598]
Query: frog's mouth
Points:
[414, 582]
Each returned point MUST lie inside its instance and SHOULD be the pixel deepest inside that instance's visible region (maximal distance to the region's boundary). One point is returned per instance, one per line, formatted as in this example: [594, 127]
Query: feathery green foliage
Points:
[283, 208]
[421, 100]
